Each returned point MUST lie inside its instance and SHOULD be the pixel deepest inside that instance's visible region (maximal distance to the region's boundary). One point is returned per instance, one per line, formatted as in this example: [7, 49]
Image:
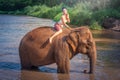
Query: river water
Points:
[13, 28]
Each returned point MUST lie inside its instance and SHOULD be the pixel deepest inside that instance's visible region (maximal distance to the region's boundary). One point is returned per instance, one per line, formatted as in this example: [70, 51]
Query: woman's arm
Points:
[67, 26]
[64, 23]
[68, 18]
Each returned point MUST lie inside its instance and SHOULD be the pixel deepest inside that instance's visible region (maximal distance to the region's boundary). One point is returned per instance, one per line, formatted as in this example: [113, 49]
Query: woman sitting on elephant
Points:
[59, 25]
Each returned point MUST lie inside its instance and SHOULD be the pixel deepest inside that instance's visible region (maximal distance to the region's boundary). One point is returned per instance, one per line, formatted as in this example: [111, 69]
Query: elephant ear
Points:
[90, 42]
[90, 39]
[72, 40]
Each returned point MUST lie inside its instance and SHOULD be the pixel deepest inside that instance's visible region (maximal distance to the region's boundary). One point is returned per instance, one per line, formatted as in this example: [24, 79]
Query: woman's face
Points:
[64, 11]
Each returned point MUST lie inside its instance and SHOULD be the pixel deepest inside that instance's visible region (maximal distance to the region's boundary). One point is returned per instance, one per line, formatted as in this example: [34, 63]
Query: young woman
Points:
[62, 23]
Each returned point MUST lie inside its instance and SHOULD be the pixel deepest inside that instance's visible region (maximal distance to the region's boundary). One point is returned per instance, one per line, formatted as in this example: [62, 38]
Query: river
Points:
[13, 28]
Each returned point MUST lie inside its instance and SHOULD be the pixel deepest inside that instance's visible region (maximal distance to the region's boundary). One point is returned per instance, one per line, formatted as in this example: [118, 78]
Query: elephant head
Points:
[81, 41]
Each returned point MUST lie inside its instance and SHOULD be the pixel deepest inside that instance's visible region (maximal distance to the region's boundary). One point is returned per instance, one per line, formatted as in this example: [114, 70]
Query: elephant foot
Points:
[25, 66]
[86, 72]
[29, 67]
[63, 71]
[91, 72]
[34, 68]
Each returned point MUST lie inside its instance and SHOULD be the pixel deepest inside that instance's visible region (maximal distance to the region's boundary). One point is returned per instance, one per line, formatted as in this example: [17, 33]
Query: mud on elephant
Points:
[63, 48]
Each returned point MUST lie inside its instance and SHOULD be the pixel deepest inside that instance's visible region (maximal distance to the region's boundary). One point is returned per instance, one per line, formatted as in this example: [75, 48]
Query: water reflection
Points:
[34, 75]
[9, 65]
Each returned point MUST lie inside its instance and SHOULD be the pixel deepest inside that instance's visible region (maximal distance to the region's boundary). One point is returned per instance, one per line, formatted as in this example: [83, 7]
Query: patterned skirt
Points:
[57, 26]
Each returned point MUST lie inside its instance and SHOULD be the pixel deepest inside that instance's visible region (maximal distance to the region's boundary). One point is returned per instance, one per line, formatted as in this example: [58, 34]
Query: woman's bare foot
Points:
[50, 40]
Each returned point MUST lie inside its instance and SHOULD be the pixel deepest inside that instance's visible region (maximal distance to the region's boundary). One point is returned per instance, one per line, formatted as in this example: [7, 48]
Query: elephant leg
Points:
[34, 68]
[25, 63]
[63, 66]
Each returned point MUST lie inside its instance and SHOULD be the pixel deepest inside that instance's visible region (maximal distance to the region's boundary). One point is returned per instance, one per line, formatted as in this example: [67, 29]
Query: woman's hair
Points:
[63, 8]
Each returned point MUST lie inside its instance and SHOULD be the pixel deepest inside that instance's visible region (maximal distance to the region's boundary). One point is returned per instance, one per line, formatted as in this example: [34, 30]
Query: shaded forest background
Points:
[82, 12]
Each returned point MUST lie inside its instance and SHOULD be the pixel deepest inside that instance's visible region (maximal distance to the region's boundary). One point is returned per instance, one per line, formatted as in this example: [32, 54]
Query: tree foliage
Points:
[9, 5]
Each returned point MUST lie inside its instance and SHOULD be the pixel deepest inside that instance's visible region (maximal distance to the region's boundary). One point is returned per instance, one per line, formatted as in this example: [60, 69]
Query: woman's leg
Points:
[57, 33]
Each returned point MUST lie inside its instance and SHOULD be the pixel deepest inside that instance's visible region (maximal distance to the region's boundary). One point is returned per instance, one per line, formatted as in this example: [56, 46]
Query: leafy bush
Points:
[3, 12]
[27, 10]
[105, 13]
[80, 14]
[95, 26]
[54, 11]
[37, 11]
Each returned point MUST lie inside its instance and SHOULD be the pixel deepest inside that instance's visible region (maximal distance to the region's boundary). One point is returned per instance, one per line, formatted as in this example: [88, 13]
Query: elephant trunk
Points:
[92, 58]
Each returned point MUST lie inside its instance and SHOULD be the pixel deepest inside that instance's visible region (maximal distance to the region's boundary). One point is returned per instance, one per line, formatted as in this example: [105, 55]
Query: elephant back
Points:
[41, 35]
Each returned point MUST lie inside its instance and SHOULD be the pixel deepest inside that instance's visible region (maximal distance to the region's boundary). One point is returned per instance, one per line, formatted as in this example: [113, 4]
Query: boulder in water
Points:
[112, 23]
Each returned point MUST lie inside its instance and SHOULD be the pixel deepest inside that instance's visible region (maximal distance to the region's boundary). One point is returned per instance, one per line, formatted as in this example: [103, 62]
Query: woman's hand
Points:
[68, 18]
[67, 26]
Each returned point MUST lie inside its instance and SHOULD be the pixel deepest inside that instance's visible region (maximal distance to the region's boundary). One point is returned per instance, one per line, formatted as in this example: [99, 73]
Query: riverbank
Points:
[81, 13]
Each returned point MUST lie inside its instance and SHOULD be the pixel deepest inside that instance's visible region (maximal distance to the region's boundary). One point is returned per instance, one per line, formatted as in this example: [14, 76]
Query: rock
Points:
[111, 23]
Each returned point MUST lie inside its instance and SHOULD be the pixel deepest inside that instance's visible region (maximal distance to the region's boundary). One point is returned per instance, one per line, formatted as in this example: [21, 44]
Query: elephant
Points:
[35, 49]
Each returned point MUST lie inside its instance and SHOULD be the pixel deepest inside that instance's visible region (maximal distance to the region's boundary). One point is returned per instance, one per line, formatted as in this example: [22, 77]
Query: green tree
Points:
[9, 5]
